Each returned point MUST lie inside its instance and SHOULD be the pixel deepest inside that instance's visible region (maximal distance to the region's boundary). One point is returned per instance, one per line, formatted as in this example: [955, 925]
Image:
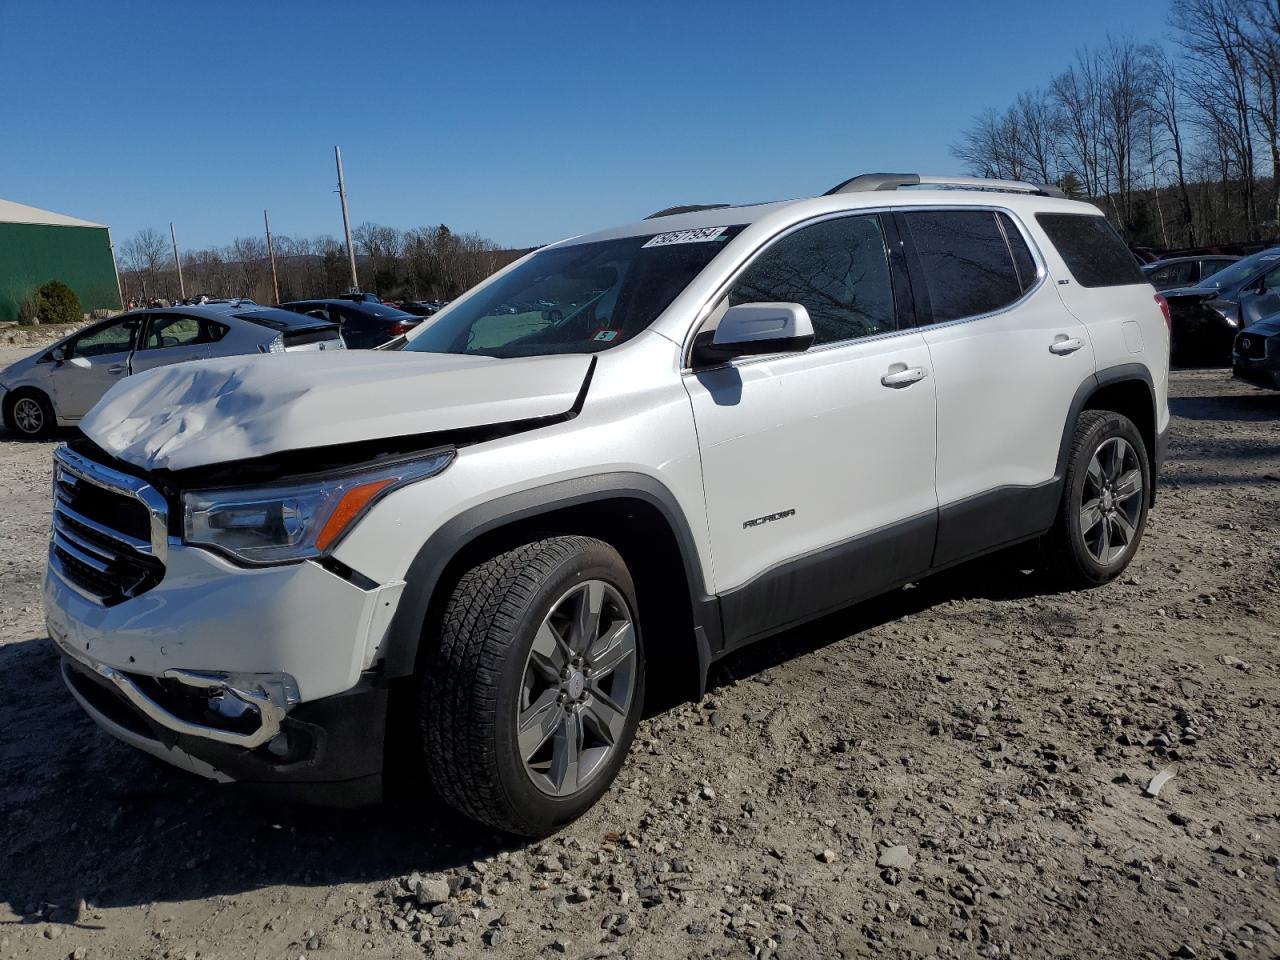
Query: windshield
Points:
[1241, 270]
[576, 299]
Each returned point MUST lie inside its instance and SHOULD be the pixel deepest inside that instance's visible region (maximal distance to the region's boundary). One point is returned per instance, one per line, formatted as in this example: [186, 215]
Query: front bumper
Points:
[257, 675]
[1264, 372]
[328, 751]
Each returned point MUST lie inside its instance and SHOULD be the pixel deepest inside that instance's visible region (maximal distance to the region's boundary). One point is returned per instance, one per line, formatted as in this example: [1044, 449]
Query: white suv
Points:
[624, 456]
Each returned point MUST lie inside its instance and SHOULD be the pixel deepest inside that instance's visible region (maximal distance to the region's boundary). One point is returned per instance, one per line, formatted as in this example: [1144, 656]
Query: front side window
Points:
[837, 269]
[1091, 249]
[1210, 267]
[115, 337]
[581, 298]
[968, 266]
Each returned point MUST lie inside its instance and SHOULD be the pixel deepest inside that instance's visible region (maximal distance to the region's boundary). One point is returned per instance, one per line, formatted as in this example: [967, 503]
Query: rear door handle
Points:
[116, 368]
[1062, 345]
[900, 375]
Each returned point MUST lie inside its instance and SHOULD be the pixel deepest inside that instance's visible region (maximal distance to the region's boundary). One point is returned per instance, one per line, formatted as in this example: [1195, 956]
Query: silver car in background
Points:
[57, 386]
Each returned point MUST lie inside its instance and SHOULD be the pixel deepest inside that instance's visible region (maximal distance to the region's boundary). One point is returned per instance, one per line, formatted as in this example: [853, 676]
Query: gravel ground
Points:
[957, 769]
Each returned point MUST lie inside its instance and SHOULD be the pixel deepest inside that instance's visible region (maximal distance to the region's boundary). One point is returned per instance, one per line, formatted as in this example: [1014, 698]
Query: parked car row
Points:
[59, 386]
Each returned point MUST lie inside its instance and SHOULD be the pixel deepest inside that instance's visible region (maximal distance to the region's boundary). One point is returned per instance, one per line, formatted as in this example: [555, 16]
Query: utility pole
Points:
[182, 287]
[271, 252]
[346, 220]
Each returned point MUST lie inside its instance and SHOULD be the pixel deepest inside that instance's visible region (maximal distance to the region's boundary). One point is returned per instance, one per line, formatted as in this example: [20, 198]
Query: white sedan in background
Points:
[58, 385]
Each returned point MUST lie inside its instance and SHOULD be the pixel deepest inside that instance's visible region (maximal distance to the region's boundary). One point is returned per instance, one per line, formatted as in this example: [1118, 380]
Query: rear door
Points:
[1007, 360]
[174, 338]
[96, 360]
[818, 466]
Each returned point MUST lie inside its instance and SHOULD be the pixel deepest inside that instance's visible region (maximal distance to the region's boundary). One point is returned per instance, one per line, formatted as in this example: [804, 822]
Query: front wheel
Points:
[31, 415]
[532, 697]
[1104, 500]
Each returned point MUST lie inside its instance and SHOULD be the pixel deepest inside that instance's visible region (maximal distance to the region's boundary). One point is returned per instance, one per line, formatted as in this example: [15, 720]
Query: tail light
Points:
[400, 329]
[1164, 308]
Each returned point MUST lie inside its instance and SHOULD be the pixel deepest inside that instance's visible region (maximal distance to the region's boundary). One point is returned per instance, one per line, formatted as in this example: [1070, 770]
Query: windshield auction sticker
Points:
[698, 235]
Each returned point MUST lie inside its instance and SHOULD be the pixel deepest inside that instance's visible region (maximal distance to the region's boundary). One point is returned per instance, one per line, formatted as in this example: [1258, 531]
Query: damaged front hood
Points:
[217, 411]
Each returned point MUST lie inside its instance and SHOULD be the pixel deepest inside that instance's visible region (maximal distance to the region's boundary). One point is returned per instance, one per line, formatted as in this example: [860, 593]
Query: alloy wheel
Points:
[577, 690]
[28, 415]
[1112, 499]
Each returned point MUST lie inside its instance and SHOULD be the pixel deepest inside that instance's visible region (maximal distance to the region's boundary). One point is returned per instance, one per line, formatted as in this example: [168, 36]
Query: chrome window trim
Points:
[1042, 273]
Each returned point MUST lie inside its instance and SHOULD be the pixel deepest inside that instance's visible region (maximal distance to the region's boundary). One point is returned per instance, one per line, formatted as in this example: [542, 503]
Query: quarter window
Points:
[1091, 249]
[969, 267]
[837, 269]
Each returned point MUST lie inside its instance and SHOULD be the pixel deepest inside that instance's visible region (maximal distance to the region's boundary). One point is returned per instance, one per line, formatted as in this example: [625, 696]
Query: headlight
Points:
[277, 523]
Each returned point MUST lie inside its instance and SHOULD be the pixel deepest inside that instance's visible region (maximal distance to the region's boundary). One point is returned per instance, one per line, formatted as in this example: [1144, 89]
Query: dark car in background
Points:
[364, 325]
[1184, 271]
[423, 308]
[1207, 317]
[1256, 356]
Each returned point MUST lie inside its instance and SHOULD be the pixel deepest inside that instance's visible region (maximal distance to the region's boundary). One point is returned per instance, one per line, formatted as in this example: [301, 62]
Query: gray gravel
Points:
[959, 769]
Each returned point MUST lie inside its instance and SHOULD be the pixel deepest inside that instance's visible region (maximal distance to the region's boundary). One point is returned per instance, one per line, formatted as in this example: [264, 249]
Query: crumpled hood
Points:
[217, 411]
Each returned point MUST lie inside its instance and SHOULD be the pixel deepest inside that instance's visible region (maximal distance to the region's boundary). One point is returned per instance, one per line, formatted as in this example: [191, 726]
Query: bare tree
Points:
[1166, 110]
[1212, 36]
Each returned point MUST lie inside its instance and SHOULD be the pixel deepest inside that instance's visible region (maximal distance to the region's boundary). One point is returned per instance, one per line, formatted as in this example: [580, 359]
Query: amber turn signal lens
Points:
[348, 508]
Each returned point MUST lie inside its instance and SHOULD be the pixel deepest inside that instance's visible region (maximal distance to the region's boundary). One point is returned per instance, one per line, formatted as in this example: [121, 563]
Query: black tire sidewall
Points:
[541, 812]
[1113, 425]
[46, 410]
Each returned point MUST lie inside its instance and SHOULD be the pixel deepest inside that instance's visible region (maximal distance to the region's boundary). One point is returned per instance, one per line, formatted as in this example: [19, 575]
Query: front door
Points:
[96, 360]
[818, 466]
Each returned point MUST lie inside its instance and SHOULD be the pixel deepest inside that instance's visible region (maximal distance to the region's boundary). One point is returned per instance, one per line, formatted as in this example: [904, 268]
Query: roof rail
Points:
[687, 208]
[893, 181]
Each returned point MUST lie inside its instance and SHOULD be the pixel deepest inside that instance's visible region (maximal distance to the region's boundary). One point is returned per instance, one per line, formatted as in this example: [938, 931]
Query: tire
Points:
[496, 666]
[1107, 456]
[30, 414]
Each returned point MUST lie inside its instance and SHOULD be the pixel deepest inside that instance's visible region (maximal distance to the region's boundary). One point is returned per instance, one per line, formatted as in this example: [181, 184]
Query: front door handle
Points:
[116, 368]
[900, 375]
[1062, 345]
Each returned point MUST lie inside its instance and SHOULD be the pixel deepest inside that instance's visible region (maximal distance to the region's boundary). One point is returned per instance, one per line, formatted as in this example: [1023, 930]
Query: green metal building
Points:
[38, 245]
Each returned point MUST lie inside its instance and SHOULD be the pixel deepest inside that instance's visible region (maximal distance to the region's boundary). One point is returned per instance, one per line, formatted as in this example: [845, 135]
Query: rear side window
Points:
[1091, 249]
[968, 265]
[1023, 262]
[839, 271]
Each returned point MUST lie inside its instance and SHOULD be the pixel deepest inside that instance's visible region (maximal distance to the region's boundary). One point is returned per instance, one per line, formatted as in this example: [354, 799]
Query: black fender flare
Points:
[1091, 385]
[429, 565]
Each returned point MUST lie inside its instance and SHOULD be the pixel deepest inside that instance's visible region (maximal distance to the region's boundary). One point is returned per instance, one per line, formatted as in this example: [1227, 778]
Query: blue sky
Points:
[523, 121]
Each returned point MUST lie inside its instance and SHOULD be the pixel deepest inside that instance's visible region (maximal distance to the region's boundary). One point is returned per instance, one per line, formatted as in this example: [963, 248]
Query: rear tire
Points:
[1104, 501]
[30, 414]
[530, 701]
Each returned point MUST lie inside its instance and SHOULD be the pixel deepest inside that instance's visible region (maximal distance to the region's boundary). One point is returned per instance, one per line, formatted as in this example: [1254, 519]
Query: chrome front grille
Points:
[110, 530]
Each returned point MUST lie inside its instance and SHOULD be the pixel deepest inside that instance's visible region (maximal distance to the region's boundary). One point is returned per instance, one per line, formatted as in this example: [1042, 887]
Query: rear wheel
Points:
[530, 702]
[1104, 501]
[30, 414]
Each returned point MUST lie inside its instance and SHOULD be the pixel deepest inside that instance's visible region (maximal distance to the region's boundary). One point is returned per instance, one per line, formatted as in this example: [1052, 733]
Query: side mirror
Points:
[751, 329]
[58, 354]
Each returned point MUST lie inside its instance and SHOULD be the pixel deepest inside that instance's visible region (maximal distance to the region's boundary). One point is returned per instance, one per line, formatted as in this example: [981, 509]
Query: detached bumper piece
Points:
[223, 728]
